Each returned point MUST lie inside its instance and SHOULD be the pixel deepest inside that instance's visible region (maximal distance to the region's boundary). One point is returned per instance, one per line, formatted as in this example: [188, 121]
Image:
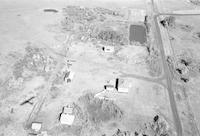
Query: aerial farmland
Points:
[99, 68]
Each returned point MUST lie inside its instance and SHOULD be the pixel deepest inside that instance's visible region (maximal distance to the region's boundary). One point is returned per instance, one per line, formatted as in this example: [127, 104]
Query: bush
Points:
[153, 61]
[110, 36]
[100, 110]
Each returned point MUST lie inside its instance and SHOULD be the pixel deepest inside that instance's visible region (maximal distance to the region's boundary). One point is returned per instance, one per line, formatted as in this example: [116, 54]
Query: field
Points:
[174, 5]
[185, 44]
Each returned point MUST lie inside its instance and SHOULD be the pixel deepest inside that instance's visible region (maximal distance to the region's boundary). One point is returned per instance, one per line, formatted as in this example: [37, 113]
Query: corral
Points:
[137, 33]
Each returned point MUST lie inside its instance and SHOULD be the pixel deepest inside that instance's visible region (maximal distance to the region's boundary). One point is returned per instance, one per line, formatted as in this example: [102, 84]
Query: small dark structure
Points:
[28, 101]
[163, 23]
[168, 21]
[136, 133]
[137, 33]
[184, 79]
[156, 118]
[179, 71]
[50, 10]
[117, 83]
[184, 62]
[109, 87]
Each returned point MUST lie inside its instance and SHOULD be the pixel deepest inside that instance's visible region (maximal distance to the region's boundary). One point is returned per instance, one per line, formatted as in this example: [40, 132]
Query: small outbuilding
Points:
[122, 86]
[66, 119]
[109, 87]
[36, 126]
[69, 76]
[108, 49]
[67, 109]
